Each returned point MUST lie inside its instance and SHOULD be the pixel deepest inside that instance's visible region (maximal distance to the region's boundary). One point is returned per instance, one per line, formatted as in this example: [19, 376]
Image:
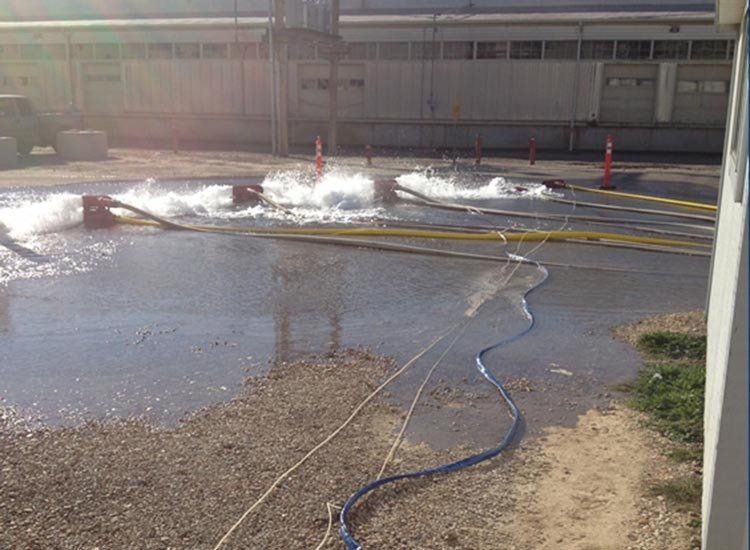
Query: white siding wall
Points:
[725, 475]
[195, 87]
[485, 89]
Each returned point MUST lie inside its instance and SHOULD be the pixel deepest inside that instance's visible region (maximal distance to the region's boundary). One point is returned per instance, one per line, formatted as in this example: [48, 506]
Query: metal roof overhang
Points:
[371, 21]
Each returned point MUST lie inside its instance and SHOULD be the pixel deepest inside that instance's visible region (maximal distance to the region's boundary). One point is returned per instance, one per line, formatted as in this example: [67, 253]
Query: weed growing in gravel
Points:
[672, 394]
[670, 389]
[673, 345]
[684, 492]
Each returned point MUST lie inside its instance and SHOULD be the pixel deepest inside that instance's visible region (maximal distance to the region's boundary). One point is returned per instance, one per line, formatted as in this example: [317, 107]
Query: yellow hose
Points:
[673, 202]
[534, 236]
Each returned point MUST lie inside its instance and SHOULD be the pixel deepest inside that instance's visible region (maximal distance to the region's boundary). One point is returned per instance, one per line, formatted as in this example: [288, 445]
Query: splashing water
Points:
[451, 187]
[39, 220]
[29, 214]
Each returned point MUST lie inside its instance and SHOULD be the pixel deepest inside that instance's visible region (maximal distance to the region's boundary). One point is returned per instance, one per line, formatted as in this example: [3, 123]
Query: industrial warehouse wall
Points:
[725, 475]
[156, 83]
[405, 103]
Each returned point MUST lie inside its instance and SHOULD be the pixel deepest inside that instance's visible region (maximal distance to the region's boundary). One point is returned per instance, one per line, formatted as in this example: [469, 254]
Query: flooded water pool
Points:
[141, 321]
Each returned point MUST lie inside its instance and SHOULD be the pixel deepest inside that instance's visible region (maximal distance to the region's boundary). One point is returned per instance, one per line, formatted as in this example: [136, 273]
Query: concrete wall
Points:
[164, 72]
[725, 475]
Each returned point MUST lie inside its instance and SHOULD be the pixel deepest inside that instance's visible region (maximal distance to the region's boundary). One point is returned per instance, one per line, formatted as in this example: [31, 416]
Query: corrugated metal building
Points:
[424, 74]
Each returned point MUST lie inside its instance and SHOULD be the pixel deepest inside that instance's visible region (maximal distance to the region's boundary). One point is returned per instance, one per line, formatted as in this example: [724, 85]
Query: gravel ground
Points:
[658, 519]
[130, 485]
[691, 322]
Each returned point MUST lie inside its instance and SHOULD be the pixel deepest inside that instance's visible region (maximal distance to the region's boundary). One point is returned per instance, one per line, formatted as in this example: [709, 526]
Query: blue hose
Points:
[349, 540]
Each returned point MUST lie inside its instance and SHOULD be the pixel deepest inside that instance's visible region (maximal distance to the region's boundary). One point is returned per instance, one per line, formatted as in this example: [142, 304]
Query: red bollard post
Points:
[318, 157]
[368, 154]
[478, 150]
[607, 181]
[532, 150]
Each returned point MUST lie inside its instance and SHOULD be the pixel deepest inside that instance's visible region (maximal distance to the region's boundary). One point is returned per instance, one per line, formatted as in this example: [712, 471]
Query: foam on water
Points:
[450, 187]
[29, 214]
[206, 201]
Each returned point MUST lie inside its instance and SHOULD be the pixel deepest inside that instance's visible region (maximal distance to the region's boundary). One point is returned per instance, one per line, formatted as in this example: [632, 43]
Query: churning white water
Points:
[38, 220]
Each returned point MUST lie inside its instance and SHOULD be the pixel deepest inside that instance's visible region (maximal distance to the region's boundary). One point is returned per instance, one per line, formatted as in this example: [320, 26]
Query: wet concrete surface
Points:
[162, 323]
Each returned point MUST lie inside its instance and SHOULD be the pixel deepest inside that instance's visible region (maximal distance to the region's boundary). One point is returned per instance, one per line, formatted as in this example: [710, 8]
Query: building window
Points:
[619, 82]
[9, 51]
[730, 50]
[425, 50]
[702, 86]
[263, 50]
[161, 50]
[188, 50]
[458, 50]
[362, 50]
[394, 50]
[714, 86]
[134, 51]
[709, 49]
[633, 49]
[492, 50]
[240, 50]
[687, 86]
[214, 51]
[597, 49]
[671, 49]
[526, 50]
[561, 49]
[107, 51]
[111, 78]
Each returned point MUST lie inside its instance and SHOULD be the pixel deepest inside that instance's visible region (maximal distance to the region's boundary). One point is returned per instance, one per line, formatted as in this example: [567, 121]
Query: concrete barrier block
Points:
[82, 145]
[8, 153]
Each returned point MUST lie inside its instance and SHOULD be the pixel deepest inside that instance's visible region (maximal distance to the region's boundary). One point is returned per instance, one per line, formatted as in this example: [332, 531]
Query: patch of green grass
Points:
[673, 345]
[684, 492]
[686, 453]
[672, 394]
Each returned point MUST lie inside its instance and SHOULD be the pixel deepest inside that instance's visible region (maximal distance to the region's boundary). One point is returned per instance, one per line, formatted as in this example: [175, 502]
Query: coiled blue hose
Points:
[349, 540]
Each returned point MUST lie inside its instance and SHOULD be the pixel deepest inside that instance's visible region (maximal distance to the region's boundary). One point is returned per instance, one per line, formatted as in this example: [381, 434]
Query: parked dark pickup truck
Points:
[19, 120]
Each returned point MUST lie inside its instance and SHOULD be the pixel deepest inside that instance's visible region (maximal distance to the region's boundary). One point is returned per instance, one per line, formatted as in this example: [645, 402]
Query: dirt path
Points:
[590, 493]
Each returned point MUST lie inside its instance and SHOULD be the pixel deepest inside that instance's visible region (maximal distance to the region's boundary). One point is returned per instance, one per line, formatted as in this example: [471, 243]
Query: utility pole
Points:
[333, 83]
[271, 79]
[282, 52]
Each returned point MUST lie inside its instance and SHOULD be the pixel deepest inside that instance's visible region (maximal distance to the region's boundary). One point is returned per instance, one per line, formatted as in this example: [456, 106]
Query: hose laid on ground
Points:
[650, 198]
[530, 236]
[483, 228]
[655, 245]
[648, 211]
[389, 247]
[575, 218]
[330, 437]
[344, 530]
